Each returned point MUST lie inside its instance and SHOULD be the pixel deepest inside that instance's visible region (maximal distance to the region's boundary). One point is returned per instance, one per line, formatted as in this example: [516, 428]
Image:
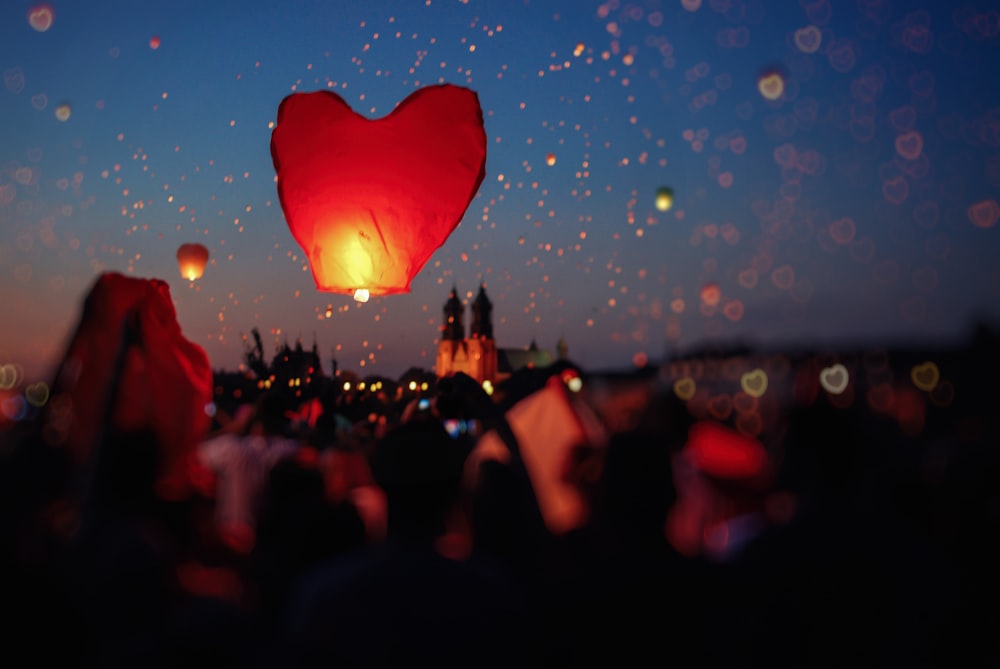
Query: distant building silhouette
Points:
[477, 354]
[294, 368]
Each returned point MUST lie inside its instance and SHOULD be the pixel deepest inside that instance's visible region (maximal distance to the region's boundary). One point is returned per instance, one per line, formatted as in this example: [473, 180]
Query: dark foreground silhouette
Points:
[820, 532]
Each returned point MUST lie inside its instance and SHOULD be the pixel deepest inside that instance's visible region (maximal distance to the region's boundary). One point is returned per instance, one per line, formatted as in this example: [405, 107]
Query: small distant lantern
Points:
[664, 198]
[370, 201]
[191, 260]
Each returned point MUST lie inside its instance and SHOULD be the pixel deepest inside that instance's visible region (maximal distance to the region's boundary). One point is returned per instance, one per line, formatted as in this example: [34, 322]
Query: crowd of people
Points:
[390, 543]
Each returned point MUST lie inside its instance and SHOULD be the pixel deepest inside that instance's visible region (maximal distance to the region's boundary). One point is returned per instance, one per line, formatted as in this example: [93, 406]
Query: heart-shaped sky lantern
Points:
[369, 201]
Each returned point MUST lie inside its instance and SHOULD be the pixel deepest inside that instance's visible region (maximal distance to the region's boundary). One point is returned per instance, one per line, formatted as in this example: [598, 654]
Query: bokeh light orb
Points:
[550, 159]
[808, 39]
[664, 198]
[754, 382]
[834, 378]
[63, 112]
[154, 42]
[711, 294]
[771, 84]
[40, 17]
[685, 388]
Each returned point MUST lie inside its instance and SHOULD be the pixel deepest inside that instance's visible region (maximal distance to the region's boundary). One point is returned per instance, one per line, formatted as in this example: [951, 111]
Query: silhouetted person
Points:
[298, 528]
[841, 580]
[619, 594]
[123, 568]
[402, 602]
[241, 462]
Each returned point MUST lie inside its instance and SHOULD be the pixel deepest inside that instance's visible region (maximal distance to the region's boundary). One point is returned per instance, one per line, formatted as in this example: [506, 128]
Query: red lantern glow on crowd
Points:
[191, 260]
[370, 201]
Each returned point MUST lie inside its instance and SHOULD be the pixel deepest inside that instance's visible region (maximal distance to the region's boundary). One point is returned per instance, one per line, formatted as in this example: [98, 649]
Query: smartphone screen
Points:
[456, 427]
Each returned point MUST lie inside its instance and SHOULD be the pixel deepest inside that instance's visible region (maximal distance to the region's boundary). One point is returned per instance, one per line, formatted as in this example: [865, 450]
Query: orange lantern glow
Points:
[191, 260]
[370, 201]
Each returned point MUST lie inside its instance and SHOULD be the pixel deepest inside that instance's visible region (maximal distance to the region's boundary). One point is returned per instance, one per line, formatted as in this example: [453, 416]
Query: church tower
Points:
[562, 349]
[482, 316]
[482, 347]
[453, 328]
[475, 355]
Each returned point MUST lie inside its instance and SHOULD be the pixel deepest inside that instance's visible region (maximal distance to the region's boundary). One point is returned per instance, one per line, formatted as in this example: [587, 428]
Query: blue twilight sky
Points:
[860, 205]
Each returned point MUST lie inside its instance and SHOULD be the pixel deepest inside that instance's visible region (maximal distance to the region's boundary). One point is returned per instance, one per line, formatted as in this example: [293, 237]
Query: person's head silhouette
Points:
[419, 466]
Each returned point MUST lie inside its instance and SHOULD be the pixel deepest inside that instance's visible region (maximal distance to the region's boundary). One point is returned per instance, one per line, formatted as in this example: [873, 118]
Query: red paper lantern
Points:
[191, 260]
[370, 201]
[155, 379]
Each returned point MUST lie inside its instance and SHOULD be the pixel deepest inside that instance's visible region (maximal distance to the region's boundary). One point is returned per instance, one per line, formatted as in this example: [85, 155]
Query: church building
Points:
[477, 354]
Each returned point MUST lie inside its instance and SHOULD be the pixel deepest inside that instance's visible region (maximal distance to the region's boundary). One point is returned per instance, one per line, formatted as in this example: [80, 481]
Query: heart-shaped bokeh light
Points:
[925, 376]
[754, 382]
[834, 378]
[40, 17]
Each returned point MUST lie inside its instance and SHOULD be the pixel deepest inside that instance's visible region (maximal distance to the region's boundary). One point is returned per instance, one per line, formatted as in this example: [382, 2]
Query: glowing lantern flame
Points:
[664, 198]
[370, 201]
[361, 295]
[191, 260]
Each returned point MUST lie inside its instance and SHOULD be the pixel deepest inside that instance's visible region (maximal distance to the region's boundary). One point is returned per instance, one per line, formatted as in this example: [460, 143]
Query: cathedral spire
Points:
[482, 319]
[454, 318]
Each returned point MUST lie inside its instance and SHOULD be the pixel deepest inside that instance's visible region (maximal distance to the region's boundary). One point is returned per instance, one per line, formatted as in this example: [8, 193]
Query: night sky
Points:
[858, 205]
